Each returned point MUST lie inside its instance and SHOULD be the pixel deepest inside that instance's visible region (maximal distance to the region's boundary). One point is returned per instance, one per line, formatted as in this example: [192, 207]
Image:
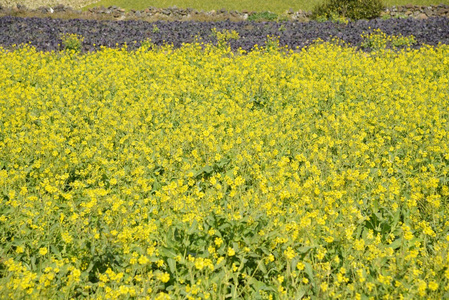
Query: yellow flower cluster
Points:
[201, 172]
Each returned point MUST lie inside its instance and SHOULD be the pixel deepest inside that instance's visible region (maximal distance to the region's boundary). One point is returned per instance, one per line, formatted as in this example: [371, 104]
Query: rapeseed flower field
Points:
[203, 173]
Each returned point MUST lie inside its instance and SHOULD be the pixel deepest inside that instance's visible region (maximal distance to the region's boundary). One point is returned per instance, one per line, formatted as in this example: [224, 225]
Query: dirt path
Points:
[38, 3]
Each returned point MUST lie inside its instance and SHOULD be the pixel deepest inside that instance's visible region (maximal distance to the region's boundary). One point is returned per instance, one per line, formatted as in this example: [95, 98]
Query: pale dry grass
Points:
[51, 3]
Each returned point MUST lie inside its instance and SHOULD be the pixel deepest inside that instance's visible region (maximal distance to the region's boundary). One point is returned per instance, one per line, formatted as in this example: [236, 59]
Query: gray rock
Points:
[44, 10]
[59, 8]
[21, 6]
[422, 16]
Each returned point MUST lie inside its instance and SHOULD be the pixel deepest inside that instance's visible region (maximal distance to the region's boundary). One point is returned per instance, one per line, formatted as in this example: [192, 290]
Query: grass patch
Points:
[276, 6]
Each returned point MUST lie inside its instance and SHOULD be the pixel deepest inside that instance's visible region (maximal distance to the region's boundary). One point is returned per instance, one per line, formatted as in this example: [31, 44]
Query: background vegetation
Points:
[277, 6]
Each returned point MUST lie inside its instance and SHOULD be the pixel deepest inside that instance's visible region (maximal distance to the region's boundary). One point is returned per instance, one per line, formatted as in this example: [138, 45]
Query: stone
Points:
[303, 19]
[442, 11]
[43, 9]
[21, 6]
[422, 16]
[234, 13]
[416, 11]
[59, 8]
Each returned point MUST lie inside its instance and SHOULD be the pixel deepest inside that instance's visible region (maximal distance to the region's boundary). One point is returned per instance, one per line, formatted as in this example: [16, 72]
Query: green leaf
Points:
[224, 226]
[218, 277]
[208, 169]
[167, 252]
[300, 294]
[396, 244]
[55, 251]
[172, 265]
[205, 170]
[156, 186]
[259, 285]
[303, 250]
[308, 269]
[262, 267]
[193, 227]
[33, 262]
[198, 173]
[358, 232]
[154, 259]
[221, 264]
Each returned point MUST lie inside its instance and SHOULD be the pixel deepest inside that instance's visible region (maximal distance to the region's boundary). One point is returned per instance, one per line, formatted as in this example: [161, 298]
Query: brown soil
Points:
[33, 4]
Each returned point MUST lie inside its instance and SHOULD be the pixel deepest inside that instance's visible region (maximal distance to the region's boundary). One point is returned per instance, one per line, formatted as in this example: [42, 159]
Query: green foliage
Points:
[72, 42]
[353, 9]
[155, 29]
[146, 44]
[378, 40]
[399, 16]
[272, 44]
[263, 16]
[224, 36]
[334, 18]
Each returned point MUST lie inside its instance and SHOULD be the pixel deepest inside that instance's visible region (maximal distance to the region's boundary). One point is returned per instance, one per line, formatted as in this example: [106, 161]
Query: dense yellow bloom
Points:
[164, 277]
[231, 252]
[162, 172]
[289, 253]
